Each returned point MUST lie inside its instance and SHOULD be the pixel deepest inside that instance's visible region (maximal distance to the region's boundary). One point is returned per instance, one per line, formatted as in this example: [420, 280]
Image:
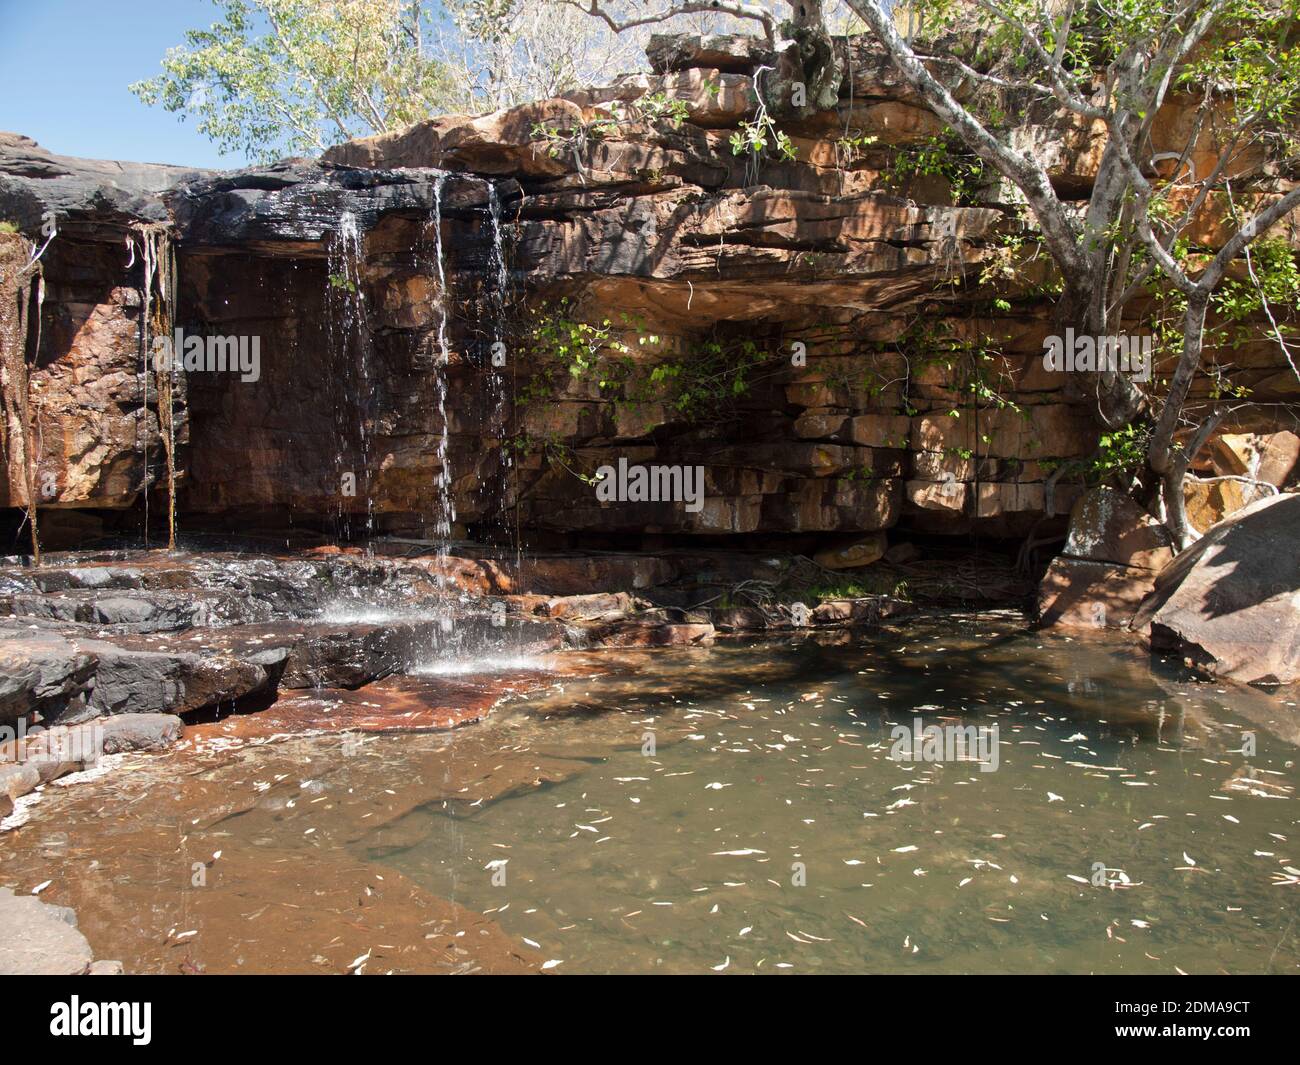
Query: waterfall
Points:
[445, 515]
[348, 337]
[497, 391]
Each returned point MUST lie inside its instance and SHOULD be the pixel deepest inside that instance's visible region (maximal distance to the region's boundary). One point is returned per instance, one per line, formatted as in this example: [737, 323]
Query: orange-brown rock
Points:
[1081, 594]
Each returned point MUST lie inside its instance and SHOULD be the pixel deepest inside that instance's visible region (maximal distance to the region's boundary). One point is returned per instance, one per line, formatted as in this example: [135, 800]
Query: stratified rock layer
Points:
[854, 300]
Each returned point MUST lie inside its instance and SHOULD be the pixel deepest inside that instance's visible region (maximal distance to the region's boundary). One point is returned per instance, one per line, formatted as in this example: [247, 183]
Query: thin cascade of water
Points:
[22, 293]
[348, 337]
[498, 383]
[496, 390]
[445, 504]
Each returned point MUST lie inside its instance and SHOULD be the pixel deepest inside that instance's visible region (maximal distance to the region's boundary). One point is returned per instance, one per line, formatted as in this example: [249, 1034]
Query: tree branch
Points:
[1059, 230]
[735, 8]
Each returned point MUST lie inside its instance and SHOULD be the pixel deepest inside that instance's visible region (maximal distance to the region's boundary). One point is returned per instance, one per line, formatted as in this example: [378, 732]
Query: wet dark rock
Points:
[132, 679]
[85, 197]
[650, 631]
[348, 656]
[136, 611]
[299, 203]
[41, 674]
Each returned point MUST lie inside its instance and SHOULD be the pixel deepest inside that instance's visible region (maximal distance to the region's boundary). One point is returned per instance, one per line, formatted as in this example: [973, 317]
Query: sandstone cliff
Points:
[511, 301]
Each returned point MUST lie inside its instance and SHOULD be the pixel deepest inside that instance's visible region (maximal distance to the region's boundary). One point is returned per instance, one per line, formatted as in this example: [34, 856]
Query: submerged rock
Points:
[141, 732]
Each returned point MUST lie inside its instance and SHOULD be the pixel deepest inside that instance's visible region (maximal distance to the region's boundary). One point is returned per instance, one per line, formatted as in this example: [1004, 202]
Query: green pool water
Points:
[743, 808]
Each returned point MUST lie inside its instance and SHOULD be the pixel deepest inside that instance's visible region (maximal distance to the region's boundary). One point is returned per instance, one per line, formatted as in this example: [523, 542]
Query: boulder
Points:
[17, 780]
[1108, 526]
[132, 681]
[1279, 459]
[37, 939]
[1230, 603]
[852, 555]
[1270, 457]
[1082, 594]
[1209, 502]
[42, 674]
[140, 732]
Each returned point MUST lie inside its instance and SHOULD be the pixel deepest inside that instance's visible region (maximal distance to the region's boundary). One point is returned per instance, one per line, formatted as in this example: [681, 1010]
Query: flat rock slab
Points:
[395, 704]
[40, 940]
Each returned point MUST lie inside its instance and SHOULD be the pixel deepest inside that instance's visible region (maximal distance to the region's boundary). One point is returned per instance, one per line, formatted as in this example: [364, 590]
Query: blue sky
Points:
[65, 66]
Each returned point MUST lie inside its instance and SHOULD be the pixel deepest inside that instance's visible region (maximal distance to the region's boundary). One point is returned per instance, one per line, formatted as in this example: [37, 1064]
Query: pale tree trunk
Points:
[809, 69]
[1163, 456]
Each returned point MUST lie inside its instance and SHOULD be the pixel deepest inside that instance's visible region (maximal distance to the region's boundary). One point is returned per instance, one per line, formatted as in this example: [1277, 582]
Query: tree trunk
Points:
[809, 68]
[1112, 397]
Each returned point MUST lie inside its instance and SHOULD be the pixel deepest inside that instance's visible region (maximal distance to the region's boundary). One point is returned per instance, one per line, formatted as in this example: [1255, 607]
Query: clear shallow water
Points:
[584, 849]
[771, 830]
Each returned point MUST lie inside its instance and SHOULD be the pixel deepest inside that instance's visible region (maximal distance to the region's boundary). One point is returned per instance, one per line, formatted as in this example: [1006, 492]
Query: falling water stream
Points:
[348, 337]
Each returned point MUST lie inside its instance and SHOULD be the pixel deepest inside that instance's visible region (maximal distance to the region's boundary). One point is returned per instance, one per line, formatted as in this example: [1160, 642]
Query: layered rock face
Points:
[459, 325]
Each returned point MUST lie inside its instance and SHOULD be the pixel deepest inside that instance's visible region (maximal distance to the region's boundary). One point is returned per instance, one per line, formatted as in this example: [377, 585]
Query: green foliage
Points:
[864, 584]
[275, 76]
[1255, 62]
[8, 227]
[1120, 453]
[1273, 281]
[700, 382]
[554, 451]
[656, 107]
[939, 156]
[852, 147]
[761, 137]
[1268, 286]
[571, 140]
